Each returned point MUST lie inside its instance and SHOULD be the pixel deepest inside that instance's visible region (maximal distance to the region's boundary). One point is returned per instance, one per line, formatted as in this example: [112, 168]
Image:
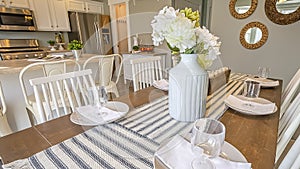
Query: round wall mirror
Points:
[283, 12]
[241, 9]
[253, 35]
[287, 7]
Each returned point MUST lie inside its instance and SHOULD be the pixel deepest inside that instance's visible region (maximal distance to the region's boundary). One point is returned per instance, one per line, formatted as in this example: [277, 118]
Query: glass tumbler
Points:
[209, 134]
[251, 89]
[263, 72]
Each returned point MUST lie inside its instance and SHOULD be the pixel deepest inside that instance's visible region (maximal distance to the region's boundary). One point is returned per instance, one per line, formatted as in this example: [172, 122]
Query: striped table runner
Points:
[153, 120]
[108, 146]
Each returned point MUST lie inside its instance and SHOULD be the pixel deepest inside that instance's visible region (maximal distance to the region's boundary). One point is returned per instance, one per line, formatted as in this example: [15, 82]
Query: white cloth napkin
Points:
[161, 84]
[264, 82]
[97, 115]
[252, 106]
[178, 154]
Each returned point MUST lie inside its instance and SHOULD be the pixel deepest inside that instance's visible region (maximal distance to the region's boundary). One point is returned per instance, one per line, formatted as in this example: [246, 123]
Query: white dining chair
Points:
[104, 71]
[288, 117]
[289, 92]
[49, 93]
[4, 125]
[292, 158]
[41, 69]
[145, 71]
[288, 128]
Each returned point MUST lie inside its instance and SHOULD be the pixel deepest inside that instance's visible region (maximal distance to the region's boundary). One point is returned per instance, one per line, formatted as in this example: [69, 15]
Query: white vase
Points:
[76, 53]
[188, 85]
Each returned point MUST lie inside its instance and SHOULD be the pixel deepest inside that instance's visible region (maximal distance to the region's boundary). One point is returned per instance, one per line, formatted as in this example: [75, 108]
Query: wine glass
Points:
[98, 96]
[263, 72]
[209, 134]
[102, 95]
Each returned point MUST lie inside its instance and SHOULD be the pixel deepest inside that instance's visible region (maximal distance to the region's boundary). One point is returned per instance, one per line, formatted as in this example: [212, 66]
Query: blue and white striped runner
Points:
[153, 120]
[108, 146]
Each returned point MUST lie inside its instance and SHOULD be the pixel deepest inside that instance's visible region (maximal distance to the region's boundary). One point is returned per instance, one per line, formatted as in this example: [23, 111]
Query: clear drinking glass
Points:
[103, 95]
[263, 72]
[209, 134]
[251, 89]
[97, 96]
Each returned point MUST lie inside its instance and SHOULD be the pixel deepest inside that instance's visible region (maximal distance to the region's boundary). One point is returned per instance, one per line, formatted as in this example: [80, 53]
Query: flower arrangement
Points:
[75, 45]
[183, 34]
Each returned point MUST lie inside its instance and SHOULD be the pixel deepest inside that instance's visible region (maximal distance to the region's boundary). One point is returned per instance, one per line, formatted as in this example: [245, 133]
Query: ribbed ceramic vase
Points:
[188, 85]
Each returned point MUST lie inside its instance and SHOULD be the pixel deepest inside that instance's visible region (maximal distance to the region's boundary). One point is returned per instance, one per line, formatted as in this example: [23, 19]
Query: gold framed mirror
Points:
[254, 35]
[272, 12]
[241, 9]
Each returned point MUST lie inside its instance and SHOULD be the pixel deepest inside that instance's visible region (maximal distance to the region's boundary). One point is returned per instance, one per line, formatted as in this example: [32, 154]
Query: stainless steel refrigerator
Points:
[93, 30]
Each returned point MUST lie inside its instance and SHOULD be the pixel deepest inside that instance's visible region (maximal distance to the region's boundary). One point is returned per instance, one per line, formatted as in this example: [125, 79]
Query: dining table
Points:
[131, 141]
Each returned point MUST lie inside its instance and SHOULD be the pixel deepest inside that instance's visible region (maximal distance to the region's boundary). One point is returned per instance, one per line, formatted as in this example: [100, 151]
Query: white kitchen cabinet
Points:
[15, 3]
[94, 7]
[127, 57]
[76, 5]
[51, 15]
[85, 6]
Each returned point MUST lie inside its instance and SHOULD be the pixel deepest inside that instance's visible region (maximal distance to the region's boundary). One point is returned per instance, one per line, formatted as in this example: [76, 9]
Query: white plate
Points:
[257, 100]
[264, 82]
[231, 152]
[113, 105]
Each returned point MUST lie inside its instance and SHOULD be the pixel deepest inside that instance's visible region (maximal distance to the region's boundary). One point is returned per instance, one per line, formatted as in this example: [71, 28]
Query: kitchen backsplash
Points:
[42, 37]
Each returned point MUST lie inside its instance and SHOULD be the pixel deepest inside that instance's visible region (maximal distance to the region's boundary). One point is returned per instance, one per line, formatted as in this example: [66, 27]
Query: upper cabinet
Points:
[85, 6]
[15, 3]
[51, 15]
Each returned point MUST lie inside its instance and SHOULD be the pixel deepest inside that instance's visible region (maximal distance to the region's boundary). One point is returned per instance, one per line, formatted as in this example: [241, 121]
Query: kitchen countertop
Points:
[15, 66]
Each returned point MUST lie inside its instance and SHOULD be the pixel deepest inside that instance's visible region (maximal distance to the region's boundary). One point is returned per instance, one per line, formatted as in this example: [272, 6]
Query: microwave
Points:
[16, 19]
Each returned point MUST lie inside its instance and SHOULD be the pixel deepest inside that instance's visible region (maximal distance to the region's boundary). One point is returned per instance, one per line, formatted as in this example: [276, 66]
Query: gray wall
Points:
[142, 13]
[280, 53]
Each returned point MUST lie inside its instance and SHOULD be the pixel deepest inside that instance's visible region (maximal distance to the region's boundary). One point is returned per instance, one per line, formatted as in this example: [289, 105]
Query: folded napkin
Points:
[161, 84]
[97, 115]
[255, 106]
[178, 154]
[264, 82]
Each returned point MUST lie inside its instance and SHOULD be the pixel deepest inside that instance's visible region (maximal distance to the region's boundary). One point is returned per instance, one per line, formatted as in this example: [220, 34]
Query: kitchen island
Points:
[9, 77]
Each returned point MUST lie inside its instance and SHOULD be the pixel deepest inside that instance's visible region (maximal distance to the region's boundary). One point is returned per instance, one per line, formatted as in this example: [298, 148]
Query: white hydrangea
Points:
[180, 32]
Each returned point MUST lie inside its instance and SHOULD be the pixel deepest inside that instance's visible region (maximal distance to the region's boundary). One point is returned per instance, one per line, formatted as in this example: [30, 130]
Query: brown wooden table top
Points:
[254, 136]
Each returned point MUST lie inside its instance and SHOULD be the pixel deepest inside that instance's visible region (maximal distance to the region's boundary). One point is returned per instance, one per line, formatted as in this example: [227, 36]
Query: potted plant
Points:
[51, 43]
[76, 47]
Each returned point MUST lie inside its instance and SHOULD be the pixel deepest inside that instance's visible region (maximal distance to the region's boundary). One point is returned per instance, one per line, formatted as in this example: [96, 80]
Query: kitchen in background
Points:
[42, 18]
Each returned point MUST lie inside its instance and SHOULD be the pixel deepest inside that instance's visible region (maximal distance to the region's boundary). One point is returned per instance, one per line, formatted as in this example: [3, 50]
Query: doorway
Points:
[119, 12]
[121, 23]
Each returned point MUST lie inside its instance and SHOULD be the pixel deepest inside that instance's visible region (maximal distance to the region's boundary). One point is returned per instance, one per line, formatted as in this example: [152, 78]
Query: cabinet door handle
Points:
[57, 26]
[10, 2]
[51, 26]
